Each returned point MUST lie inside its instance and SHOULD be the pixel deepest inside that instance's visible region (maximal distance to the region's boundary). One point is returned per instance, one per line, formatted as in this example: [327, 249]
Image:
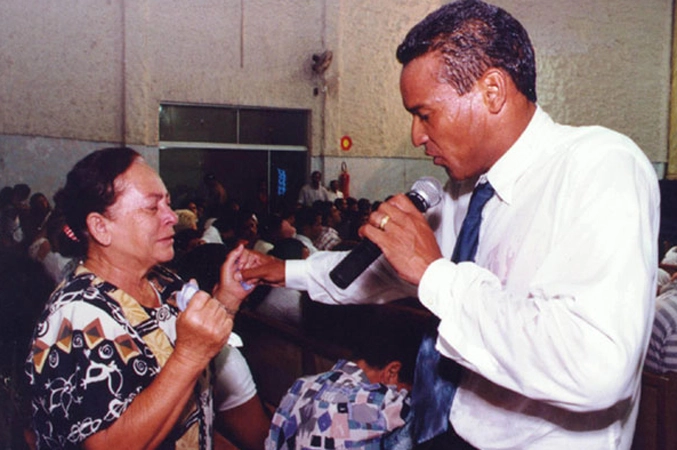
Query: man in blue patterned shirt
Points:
[363, 403]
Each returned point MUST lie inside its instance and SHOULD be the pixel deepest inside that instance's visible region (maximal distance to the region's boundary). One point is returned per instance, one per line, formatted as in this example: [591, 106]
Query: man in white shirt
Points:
[334, 192]
[313, 191]
[552, 319]
[308, 227]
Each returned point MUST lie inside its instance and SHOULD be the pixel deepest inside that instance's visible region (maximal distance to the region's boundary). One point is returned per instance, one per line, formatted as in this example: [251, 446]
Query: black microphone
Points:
[425, 192]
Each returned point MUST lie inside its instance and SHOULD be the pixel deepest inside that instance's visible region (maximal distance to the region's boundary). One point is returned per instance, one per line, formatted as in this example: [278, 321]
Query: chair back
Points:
[657, 419]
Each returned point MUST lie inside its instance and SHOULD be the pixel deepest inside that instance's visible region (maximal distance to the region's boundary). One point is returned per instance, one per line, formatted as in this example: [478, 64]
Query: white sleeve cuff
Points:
[295, 274]
[441, 272]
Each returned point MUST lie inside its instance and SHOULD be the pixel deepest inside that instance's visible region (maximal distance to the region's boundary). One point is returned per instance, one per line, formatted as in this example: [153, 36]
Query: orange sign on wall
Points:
[346, 143]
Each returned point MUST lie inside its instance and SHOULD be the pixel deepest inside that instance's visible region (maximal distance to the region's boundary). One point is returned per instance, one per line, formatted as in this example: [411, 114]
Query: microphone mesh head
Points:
[430, 189]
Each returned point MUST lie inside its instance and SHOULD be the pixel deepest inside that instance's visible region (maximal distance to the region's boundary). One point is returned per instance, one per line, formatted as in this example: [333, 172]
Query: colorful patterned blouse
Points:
[95, 348]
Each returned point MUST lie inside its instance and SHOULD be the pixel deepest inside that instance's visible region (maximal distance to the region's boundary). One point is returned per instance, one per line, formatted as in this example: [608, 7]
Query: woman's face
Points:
[141, 221]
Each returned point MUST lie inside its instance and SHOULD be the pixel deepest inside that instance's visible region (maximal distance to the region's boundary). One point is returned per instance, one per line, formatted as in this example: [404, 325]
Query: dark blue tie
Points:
[436, 378]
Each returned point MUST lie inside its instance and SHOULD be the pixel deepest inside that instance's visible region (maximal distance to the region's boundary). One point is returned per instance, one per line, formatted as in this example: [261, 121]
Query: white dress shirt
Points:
[553, 318]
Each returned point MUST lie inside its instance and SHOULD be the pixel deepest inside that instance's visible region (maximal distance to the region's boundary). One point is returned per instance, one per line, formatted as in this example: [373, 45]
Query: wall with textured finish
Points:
[43, 162]
[601, 62]
[61, 69]
[77, 73]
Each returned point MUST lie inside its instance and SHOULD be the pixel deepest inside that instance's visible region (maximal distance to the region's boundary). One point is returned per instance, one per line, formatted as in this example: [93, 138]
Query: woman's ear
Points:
[97, 225]
[494, 84]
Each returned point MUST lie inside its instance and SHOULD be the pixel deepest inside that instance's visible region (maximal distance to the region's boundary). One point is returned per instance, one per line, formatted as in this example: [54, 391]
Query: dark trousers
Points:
[447, 441]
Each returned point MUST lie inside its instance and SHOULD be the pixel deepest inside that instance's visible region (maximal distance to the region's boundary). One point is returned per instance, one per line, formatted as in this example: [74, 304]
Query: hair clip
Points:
[69, 232]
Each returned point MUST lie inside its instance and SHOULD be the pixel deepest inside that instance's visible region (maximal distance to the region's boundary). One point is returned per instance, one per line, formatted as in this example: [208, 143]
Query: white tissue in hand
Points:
[185, 294]
[183, 297]
[234, 340]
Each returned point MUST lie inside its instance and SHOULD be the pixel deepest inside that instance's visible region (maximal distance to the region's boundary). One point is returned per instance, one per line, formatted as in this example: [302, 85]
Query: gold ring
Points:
[383, 222]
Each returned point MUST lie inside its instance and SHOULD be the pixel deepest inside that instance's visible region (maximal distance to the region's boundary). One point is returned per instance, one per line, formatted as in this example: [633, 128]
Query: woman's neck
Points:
[134, 283]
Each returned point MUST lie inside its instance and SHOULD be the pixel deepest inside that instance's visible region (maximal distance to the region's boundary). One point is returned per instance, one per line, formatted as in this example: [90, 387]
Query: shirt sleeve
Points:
[378, 284]
[576, 336]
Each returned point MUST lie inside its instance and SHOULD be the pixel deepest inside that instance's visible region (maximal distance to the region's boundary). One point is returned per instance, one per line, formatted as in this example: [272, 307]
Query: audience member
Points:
[313, 191]
[308, 227]
[342, 205]
[197, 205]
[351, 220]
[189, 219]
[351, 205]
[359, 219]
[210, 234]
[662, 353]
[232, 205]
[36, 219]
[334, 192]
[226, 224]
[24, 290]
[261, 205]
[54, 249]
[669, 261]
[114, 363]
[184, 241]
[6, 227]
[329, 237]
[205, 225]
[247, 228]
[273, 228]
[670, 257]
[186, 220]
[16, 209]
[662, 279]
[360, 403]
[216, 196]
[364, 205]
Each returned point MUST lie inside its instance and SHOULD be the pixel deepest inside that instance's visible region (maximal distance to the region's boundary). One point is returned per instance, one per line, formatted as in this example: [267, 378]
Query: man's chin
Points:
[449, 173]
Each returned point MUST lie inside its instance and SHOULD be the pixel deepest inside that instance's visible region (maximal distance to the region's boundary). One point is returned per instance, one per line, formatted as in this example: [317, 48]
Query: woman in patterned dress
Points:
[114, 362]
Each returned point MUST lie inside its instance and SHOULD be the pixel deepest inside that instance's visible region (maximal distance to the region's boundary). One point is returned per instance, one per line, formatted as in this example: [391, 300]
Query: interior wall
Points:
[83, 74]
[603, 62]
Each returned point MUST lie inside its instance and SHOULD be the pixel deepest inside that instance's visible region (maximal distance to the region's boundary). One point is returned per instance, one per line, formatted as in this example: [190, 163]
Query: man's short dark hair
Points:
[381, 336]
[306, 217]
[472, 36]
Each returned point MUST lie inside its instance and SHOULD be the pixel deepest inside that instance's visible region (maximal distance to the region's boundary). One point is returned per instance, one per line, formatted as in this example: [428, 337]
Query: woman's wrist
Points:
[230, 311]
[229, 303]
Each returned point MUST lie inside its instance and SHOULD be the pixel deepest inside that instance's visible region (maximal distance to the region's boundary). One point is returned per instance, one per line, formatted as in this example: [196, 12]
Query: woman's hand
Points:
[201, 330]
[231, 290]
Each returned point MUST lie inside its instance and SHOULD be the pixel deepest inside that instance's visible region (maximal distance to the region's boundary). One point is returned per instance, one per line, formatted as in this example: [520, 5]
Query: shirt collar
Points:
[525, 151]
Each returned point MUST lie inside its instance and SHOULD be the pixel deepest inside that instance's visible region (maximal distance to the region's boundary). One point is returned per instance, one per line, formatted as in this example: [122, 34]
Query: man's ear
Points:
[391, 372]
[97, 225]
[494, 84]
